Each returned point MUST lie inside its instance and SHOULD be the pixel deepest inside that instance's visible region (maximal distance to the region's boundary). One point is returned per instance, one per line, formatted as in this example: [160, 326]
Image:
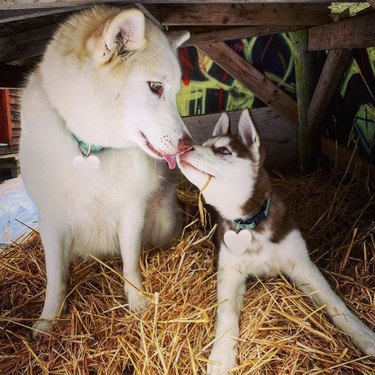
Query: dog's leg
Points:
[163, 219]
[306, 276]
[231, 286]
[130, 236]
[56, 245]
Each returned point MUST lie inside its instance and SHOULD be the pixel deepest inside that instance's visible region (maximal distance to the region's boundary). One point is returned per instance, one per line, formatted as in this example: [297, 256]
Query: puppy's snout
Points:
[184, 144]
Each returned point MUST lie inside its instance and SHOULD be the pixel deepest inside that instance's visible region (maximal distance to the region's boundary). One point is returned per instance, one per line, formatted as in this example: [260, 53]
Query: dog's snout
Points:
[185, 144]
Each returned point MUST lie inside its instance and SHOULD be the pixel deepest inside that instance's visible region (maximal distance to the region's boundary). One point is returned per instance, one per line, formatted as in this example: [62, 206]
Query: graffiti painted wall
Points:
[209, 89]
[352, 120]
[206, 88]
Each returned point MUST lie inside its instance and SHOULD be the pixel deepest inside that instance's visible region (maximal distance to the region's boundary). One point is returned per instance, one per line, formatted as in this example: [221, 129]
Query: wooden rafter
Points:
[19, 15]
[245, 14]
[26, 44]
[329, 79]
[354, 32]
[238, 33]
[252, 78]
[28, 4]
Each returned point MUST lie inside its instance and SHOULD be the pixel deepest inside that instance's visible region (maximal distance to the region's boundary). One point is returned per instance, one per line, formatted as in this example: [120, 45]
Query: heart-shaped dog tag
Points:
[87, 166]
[239, 242]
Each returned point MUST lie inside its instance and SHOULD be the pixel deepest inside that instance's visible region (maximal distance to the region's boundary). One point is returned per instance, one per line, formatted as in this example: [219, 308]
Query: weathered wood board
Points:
[277, 134]
[245, 14]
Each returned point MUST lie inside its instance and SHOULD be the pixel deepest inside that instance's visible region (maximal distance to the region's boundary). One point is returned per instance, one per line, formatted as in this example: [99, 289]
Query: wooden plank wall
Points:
[278, 135]
[14, 133]
[15, 96]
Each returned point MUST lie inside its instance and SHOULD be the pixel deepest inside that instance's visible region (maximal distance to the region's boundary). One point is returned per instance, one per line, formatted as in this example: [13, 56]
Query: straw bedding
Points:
[282, 331]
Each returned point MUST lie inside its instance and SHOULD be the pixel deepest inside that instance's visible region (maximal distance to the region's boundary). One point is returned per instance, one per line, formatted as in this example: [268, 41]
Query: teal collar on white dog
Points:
[254, 221]
[87, 164]
[87, 148]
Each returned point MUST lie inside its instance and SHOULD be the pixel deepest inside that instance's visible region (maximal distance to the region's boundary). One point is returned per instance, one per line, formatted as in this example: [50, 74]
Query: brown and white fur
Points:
[110, 77]
[238, 187]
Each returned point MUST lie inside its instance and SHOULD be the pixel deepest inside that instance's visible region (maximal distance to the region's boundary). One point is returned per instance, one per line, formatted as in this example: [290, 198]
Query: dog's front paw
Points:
[41, 326]
[137, 302]
[222, 359]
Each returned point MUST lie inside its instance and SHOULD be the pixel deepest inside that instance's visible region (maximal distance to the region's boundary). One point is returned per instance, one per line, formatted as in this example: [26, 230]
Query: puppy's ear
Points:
[123, 33]
[177, 38]
[247, 130]
[222, 125]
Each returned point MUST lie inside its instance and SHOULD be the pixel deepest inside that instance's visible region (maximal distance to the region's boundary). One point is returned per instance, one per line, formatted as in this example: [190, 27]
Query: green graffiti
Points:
[192, 99]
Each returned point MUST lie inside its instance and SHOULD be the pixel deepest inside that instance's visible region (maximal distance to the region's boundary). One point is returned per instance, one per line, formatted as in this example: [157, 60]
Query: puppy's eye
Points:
[222, 151]
[156, 88]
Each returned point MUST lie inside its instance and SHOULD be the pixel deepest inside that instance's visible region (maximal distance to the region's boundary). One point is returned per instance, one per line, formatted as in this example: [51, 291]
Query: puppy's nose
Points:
[184, 144]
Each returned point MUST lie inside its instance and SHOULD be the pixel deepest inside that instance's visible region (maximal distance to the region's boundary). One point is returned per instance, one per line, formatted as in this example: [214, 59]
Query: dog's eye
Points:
[222, 151]
[156, 88]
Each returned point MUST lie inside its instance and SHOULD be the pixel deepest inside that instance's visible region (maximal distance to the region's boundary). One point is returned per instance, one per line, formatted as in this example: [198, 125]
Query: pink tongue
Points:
[171, 160]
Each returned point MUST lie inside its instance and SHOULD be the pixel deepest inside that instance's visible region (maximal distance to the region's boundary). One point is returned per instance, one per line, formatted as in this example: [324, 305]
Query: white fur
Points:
[105, 101]
[232, 184]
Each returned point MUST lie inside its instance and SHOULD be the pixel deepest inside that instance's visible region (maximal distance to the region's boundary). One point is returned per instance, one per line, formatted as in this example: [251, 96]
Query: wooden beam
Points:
[355, 32]
[28, 4]
[18, 15]
[252, 78]
[347, 159]
[329, 79]
[25, 44]
[12, 76]
[245, 14]
[238, 33]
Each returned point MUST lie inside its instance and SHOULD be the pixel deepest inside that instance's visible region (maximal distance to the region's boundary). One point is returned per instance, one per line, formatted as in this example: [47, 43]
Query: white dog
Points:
[98, 116]
[257, 236]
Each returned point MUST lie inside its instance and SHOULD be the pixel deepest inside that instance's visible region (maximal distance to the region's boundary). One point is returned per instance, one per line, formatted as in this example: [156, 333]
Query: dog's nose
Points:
[184, 144]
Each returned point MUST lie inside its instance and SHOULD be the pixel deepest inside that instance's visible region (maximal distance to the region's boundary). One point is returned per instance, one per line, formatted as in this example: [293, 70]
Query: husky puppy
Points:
[99, 116]
[257, 236]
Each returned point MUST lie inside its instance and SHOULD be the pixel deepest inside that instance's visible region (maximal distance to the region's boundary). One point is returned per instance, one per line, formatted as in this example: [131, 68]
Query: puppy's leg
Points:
[231, 287]
[57, 243]
[130, 236]
[298, 266]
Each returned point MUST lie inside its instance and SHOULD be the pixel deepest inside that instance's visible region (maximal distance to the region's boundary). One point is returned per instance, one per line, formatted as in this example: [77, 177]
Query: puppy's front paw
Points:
[222, 358]
[41, 326]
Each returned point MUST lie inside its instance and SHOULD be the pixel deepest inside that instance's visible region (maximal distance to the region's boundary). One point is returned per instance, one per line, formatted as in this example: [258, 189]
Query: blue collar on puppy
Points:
[253, 222]
[86, 148]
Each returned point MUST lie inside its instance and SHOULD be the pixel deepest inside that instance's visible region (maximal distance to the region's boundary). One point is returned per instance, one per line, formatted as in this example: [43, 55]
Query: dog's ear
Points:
[126, 30]
[247, 130]
[177, 38]
[123, 33]
[222, 125]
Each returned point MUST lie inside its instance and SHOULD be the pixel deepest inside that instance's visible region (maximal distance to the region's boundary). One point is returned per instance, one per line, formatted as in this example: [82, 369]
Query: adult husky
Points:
[98, 116]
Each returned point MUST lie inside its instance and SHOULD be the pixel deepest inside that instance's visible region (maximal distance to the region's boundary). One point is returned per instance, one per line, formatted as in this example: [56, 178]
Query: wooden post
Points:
[303, 68]
[6, 131]
[329, 79]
